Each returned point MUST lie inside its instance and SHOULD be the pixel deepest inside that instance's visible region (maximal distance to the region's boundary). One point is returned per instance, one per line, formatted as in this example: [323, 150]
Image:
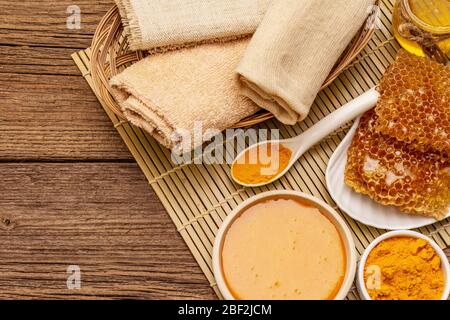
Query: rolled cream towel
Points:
[294, 50]
[160, 23]
[174, 94]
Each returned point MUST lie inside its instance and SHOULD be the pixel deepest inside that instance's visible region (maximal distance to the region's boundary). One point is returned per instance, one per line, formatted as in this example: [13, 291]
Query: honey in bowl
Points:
[282, 248]
[423, 27]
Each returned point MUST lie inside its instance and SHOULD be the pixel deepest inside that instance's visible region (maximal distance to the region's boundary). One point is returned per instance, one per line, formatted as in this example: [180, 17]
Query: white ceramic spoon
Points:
[302, 143]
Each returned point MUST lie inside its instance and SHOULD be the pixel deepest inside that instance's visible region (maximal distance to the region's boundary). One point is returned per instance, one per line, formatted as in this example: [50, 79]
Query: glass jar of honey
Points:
[423, 27]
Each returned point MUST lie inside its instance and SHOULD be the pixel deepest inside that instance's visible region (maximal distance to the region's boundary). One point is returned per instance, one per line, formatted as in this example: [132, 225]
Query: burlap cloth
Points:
[294, 50]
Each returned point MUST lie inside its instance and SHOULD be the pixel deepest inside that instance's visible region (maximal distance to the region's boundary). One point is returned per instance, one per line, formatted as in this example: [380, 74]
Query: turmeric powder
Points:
[409, 269]
[261, 164]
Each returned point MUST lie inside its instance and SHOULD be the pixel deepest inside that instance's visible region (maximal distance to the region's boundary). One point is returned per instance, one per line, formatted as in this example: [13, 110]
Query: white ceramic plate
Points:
[361, 207]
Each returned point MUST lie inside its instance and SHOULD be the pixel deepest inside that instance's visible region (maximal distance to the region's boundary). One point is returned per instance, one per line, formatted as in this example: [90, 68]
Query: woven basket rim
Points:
[110, 54]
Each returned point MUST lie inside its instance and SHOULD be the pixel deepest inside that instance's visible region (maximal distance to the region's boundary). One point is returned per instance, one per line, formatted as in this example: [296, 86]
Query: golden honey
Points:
[283, 249]
[423, 27]
[393, 173]
[414, 106]
[400, 152]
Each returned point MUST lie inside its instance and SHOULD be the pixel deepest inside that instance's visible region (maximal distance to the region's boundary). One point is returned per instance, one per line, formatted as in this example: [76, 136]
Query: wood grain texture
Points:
[43, 22]
[70, 192]
[101, 217]
[54, 117]
[48, 110]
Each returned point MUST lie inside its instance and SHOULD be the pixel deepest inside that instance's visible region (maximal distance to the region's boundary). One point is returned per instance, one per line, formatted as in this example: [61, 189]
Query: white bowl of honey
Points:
[284, 245]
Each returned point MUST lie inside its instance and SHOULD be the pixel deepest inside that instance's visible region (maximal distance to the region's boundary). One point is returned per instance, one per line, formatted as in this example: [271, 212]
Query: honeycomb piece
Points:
[415, 103]
[392, 173]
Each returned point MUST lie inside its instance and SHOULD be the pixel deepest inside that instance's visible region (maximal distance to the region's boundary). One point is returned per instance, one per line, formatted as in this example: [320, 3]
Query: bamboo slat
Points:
[198, 197]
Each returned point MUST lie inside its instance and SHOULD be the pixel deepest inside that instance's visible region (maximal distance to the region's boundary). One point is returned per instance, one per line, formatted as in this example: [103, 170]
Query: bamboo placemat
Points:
[198, 197]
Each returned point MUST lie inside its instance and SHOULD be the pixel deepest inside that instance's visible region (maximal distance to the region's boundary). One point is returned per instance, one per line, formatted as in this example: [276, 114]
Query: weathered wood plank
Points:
[101, 217]
[48, 112]
[54, 117]
[37, 60]
[44, 22]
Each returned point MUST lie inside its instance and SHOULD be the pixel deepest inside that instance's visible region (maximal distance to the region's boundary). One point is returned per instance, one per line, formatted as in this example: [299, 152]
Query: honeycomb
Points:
[415, 103]
[391, 172]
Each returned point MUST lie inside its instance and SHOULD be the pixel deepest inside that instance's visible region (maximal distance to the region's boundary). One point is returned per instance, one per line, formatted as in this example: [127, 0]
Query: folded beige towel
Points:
[159, 23]
[171, 93]
[294, 50]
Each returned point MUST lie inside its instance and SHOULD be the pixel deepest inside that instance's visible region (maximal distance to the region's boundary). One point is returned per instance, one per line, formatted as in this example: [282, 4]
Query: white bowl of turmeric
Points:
[284, 245]
[403, 265]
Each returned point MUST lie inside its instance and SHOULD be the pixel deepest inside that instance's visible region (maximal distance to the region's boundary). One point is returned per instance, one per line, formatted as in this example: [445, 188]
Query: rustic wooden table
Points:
[71, 194]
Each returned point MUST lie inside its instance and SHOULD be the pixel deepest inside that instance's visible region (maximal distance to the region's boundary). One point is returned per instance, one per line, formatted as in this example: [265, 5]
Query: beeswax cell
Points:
[393, 173]
[414, 106]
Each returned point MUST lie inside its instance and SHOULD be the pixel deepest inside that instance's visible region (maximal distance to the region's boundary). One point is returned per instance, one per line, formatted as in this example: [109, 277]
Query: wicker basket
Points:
[111, 54]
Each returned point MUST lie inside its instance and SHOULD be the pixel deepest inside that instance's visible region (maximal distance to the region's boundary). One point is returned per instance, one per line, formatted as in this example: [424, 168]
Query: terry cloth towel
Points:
[294, 50]
[164, 23]
[172, 95]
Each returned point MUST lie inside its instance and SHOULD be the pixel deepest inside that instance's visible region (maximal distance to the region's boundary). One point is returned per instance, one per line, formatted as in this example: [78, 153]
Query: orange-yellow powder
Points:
[404, 268]
[261, 164]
